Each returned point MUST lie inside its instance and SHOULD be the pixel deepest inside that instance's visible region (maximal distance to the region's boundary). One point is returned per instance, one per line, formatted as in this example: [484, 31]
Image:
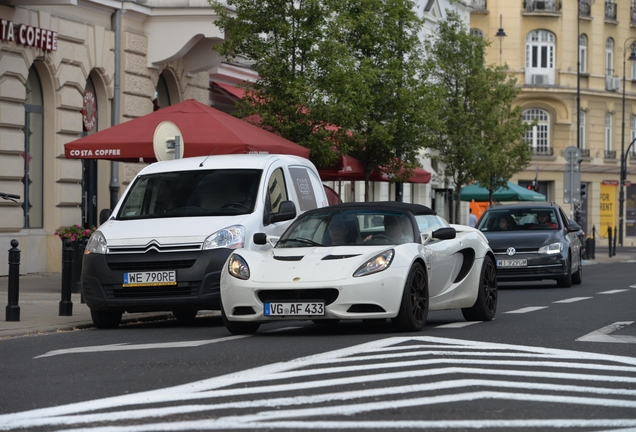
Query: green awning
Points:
[513, 192]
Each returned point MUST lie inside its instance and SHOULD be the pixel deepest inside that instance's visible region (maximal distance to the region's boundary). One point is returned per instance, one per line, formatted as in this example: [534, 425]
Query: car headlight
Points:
[232, 237]
[237, 267]
[551, 249]
[96, 244]
[376, 264]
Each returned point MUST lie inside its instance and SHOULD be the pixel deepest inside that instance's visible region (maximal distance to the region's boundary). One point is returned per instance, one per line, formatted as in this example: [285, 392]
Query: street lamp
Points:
[500, 34]
[621, 196]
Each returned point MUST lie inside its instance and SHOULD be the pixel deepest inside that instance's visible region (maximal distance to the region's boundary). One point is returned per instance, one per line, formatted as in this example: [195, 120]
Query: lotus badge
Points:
[296, 279]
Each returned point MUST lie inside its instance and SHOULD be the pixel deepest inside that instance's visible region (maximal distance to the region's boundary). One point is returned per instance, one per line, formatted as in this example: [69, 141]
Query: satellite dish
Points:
[167, 138]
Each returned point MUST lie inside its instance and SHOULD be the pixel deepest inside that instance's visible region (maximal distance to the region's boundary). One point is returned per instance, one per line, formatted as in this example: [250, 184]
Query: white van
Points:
[166, 241]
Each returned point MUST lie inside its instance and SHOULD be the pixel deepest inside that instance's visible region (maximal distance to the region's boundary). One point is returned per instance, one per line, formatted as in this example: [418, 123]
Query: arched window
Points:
[477, 32]
[583, 53]
[538, 137]
[162, 95]
[540, 54]
[33, 153]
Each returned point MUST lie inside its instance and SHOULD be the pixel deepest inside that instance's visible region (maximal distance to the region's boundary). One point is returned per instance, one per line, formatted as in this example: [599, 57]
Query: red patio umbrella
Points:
[352, 169]
[206, 131]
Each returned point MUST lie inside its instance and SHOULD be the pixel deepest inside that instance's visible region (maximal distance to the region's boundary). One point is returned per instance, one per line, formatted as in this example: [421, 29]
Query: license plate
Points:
[294, 309]
[512, 263]
[150, 278]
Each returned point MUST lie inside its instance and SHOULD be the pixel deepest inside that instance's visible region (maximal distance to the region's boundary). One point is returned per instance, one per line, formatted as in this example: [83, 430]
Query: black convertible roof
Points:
[416, 209]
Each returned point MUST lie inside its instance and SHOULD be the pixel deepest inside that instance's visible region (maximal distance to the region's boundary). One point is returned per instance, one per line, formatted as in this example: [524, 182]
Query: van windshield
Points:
[220, 192]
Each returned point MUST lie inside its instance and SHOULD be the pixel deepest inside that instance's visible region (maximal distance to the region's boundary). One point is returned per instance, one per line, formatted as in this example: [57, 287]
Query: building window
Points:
[608, 132]
[33, 153]
[538, 138]
[581, 130]
[632, 63]
[609, 57]
[162, 95]
[477, 32]
[540, 52]
[583, 53]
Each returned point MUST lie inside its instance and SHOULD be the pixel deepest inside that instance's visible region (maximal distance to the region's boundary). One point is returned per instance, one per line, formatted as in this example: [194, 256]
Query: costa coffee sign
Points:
[27, 35]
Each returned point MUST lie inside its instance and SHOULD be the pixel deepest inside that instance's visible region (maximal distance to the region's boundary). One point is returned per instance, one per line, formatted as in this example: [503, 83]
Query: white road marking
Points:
[459, 324]
[527, 309]
[453, 368]
[632, 286]
[603, 334]
[572, 300]
[613, 291]
[127, 347]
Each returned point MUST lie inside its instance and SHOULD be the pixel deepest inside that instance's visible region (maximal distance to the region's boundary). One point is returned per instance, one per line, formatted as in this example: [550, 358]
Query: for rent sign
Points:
[608, 208]
[27, 35]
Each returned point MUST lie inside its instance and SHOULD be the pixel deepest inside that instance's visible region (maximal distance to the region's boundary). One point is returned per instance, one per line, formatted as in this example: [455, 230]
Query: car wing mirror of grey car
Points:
[573, 227]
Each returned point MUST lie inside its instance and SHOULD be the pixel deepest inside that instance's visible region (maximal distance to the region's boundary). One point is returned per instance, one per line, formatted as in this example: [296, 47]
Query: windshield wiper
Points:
[299, 240]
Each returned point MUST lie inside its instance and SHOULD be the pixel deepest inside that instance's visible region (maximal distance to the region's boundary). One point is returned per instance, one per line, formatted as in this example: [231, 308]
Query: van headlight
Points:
[232, 237]
[237, 267]
[96, 244]
[551, 249]
[378, 263]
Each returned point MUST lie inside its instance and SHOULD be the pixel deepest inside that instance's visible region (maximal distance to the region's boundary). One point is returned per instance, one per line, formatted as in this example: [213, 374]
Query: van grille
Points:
[189, 290]
[151, 265]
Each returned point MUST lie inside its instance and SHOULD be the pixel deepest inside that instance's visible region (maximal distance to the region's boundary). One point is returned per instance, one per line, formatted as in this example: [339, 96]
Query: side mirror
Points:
[445, 233]
[104, 215]
[260, 238]
[286, 211]
[573, 227]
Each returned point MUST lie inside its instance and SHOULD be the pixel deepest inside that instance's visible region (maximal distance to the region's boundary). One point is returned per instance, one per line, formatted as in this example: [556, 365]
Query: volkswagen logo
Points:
[511, 251]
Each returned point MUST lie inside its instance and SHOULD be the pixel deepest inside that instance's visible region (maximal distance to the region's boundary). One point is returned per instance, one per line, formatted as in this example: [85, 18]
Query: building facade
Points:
[73, 67]
[566, 66]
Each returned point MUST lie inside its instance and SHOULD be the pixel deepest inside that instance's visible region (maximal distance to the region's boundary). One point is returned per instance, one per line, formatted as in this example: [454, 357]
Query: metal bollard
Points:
[13, 310]
[66, 305]
[609, 237]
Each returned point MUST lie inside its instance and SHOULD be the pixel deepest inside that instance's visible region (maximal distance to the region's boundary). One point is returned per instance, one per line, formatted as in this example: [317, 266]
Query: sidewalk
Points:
[40, 295]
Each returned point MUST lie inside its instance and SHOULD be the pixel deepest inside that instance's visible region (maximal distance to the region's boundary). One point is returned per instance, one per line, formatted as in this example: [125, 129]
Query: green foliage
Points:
[475, 130]
[333, 74]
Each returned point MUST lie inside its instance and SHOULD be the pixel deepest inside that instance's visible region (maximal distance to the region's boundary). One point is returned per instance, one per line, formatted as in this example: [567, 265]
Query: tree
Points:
[476, 132]
[333, 74]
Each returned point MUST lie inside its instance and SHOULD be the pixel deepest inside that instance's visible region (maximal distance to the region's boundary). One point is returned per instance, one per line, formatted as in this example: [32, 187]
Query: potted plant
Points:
[78, 237]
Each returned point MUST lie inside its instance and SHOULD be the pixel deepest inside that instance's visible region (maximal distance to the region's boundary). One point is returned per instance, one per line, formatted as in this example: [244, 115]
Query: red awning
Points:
[239, 92]
[352, 169]
[206, 131]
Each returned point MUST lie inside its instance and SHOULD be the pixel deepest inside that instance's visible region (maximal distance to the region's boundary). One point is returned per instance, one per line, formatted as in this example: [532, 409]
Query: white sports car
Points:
[361, 261]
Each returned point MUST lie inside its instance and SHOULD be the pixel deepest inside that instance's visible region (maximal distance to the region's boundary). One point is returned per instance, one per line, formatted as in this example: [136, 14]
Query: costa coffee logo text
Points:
[26, 35]
[97, 152]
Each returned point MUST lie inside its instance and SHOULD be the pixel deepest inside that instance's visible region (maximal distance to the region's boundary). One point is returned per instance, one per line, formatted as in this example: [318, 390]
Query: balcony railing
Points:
[610, 154]
[541, 6]
[610, 11]
[585, 153]
[479, 5]
[543, 151]
[585, 8]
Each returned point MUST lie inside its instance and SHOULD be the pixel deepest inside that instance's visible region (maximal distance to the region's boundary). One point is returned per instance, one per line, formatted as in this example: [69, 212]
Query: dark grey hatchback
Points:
[533, 242]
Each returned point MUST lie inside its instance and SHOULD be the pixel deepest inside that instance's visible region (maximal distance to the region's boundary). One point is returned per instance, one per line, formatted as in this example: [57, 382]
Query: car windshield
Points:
[192, 193]
[348, 227]
[518, 219]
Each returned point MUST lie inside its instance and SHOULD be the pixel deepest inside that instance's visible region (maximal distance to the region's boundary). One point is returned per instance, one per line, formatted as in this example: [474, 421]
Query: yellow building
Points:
[538, 40]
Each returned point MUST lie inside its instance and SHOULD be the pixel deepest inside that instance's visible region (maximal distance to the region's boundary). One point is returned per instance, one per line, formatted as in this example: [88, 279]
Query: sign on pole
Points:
[572, 176]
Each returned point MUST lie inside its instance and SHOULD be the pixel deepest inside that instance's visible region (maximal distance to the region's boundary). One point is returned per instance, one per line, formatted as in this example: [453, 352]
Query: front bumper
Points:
[539, 267]
[368, 297]
[197, 281]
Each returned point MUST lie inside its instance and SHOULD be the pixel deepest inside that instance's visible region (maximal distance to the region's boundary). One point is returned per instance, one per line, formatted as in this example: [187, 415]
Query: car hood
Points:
[165, 231]
[521, 239]
[311, 264]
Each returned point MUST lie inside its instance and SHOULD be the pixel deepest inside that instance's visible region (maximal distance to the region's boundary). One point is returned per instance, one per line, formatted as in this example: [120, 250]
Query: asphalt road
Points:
[554, 358]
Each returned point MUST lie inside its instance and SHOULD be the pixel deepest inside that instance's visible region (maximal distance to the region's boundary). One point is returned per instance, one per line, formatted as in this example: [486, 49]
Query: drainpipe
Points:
[114, 166]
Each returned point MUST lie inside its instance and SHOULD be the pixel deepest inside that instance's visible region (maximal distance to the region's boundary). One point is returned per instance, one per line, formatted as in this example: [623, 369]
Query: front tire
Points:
[566, 282]
[105, 319]
[414, 305]
[485, 306]
[577, 278]
[239, 328]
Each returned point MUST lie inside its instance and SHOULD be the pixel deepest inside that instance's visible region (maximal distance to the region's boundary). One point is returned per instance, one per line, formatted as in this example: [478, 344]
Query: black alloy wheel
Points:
[485, 305]
[414, 307]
